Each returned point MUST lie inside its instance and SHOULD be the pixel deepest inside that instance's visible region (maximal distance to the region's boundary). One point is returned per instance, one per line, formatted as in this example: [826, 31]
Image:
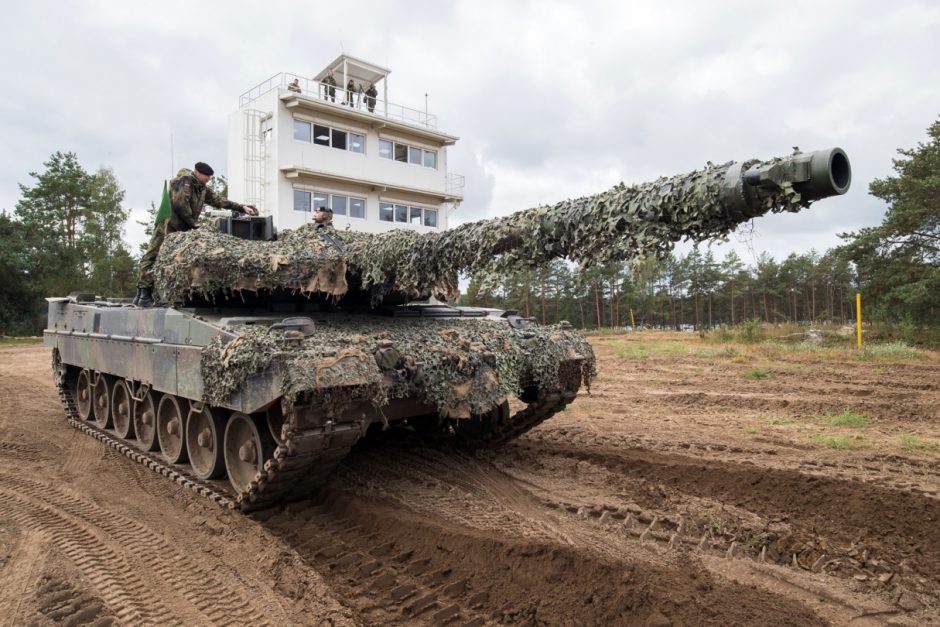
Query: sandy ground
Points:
[685, 489]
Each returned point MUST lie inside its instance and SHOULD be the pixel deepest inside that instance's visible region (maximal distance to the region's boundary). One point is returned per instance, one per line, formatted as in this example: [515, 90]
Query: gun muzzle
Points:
[814, 175]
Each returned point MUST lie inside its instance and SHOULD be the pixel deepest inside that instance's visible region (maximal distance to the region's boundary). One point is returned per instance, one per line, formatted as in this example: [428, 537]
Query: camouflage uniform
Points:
[330, 83]
[187, 197]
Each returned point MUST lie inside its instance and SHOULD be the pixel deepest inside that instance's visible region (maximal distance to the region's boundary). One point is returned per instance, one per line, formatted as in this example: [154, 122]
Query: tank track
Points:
[522, 421]
[302, 462]
[298, 466]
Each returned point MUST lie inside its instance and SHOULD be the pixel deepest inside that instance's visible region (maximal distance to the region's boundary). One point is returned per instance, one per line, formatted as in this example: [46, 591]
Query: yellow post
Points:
[858, 317]
[632, 319]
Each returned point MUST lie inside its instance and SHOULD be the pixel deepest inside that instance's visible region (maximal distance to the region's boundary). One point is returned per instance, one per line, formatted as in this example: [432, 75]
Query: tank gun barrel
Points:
[622, 223]
[814, 175]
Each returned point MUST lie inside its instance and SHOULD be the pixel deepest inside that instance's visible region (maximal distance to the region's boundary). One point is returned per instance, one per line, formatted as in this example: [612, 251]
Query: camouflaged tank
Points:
[272, 356]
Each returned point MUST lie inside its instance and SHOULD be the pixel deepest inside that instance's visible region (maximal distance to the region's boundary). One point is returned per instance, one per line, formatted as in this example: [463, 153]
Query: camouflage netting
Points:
[621, 223]
[206, 262]
[462, 367]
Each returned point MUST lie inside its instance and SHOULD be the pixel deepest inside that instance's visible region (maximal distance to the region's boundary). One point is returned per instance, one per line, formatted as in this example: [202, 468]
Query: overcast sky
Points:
[550, 100]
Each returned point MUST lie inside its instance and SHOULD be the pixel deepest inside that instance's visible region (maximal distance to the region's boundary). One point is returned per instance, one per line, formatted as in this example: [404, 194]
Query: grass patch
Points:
[643, 350]
[849, 441]
[725, 352]
[892, 351]
[13, 341]
[757, 373]
[750, 430]
[917, 443]
[847, 419]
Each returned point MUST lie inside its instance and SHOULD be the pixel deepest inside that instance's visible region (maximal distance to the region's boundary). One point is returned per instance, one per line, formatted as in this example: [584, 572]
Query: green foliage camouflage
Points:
[208, 263]
[462, 367]
[622, 223]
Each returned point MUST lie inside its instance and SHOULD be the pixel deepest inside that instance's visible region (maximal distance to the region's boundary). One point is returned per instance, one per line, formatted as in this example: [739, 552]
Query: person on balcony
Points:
[329, 83]
[371, 93]
[350, 89]
[295, 86]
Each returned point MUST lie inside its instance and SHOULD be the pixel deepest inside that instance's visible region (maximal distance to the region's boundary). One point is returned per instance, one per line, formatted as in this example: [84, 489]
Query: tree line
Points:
[694, 291]
[66, 234]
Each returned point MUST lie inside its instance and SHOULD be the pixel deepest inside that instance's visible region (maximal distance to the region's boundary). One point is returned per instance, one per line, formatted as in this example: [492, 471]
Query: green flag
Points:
[165, 210]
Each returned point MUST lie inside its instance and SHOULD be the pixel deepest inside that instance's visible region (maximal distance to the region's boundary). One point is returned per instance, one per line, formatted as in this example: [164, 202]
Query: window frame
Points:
[331, 133]
[315, 195]
[309, 194]
[406, 152]
[365, 213]
[350, 137]
[309, 130]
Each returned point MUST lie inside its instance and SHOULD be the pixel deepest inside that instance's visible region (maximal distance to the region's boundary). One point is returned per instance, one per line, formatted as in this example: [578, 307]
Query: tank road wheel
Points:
[59, 369]
[171, 423]
[121, 409]
[246, 449]
[204, 432]
[276, 422]
[101, 400]
[144, 417]
[83, 395]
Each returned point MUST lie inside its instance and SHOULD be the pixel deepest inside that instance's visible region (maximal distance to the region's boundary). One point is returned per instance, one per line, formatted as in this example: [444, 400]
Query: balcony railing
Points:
[455, 184]
[339, 96]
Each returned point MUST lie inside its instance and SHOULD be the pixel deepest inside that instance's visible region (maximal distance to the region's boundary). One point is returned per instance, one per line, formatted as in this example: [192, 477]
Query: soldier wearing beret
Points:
[189, 192]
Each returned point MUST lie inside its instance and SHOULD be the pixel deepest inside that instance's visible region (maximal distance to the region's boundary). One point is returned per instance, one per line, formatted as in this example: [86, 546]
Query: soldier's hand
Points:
[250, 210]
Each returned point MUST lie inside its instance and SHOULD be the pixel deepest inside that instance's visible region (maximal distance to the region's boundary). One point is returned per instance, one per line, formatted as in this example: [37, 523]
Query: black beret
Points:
[326, 209]
[204, 168]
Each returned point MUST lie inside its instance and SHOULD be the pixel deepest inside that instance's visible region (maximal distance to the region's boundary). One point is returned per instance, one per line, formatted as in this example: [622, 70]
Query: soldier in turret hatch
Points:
[323, 218]
[189, 191]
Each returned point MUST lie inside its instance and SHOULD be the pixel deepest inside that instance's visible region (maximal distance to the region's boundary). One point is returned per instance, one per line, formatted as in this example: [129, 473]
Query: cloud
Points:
[551, 99]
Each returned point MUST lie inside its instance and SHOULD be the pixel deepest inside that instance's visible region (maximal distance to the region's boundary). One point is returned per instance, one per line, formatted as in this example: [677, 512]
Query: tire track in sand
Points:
[214, 599]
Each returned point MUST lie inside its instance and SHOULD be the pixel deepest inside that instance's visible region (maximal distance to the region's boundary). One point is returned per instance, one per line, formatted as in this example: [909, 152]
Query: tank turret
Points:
[621, 223]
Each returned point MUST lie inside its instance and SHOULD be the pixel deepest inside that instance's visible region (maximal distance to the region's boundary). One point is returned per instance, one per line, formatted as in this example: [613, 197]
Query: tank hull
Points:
[276, 429]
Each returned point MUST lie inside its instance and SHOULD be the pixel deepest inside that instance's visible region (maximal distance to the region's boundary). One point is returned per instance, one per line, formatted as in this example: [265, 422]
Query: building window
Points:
[357, 143]
[401, 153]
[321, 135]
[326, 136]
[339, 139]
[357, 208]
[302, 130]
[339, 205]
[418, 216]
[407, 154]
[301, 200]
